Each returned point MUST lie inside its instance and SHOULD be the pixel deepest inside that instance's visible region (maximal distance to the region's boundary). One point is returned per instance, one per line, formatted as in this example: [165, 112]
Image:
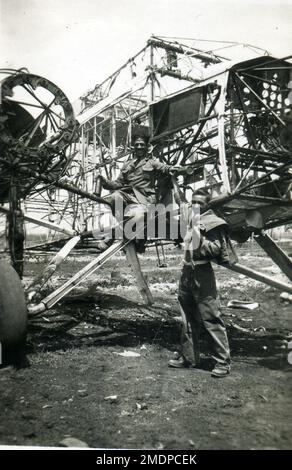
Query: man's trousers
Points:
[198, 300]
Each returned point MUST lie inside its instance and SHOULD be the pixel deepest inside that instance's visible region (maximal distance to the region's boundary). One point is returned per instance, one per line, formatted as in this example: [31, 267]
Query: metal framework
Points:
[37, 127]
[229, 122]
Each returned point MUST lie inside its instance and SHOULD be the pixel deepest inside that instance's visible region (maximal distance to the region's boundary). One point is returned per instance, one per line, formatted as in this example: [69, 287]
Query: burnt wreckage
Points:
[229, 122]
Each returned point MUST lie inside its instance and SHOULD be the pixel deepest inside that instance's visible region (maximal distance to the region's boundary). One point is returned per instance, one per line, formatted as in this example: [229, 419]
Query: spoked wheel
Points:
[37, 125]
[13, 317]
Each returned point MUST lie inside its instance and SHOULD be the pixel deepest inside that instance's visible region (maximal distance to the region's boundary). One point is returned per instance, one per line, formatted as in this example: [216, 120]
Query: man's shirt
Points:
[138, 176]
[211, 243]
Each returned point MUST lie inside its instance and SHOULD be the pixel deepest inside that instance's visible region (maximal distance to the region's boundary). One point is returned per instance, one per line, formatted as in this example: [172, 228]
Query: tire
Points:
[13, 317]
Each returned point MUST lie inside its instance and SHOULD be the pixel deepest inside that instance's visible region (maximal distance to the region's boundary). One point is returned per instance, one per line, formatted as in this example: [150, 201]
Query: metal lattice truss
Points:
[37, 126]
[229, 121]
[234, 131]
[37, 135]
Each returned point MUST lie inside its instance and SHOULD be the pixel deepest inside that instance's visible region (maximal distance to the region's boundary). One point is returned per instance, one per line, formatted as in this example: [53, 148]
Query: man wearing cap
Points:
[197, 289]
[135, 185]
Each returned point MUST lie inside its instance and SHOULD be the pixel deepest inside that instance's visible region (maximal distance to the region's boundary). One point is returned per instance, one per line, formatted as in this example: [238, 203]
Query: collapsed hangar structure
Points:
[228, 121]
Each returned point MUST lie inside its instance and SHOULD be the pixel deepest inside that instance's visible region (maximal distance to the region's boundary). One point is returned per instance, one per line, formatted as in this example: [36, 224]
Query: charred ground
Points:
[75, 366]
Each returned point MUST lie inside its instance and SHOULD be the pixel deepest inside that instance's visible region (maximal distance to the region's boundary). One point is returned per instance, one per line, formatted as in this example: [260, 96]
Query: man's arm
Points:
[159, 166]
[167, 169]
[107, 184]
[119, 183]
[217, 245]
[211, 244]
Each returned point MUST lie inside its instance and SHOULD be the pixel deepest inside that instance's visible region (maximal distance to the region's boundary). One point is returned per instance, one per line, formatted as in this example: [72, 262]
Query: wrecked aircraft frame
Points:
[229, 122]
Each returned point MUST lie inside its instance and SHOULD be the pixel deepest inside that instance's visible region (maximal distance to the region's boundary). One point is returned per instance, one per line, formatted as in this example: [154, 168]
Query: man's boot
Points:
[178, 361]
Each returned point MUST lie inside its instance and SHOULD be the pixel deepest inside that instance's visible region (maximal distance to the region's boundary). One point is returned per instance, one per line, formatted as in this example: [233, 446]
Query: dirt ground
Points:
[78, 385]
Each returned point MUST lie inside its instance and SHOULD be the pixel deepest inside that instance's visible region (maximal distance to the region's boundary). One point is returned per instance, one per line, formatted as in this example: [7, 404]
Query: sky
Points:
[78, 43]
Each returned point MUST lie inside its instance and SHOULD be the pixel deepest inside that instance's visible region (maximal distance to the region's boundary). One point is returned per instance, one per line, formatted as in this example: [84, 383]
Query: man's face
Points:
[202, 201]
[140, 148]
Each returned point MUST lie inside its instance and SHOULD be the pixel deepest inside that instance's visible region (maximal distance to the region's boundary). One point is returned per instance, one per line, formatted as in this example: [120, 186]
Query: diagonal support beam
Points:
[49, 301]
[43, 223]
[142, 285]
[239, 268]
[276, 253]
[128, 246]
[49, 270]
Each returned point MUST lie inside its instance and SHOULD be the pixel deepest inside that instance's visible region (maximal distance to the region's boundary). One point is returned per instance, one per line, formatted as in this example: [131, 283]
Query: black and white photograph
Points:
[146, 228]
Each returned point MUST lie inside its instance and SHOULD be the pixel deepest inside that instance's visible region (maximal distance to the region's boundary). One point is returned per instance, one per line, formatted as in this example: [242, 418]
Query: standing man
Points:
[198, 293]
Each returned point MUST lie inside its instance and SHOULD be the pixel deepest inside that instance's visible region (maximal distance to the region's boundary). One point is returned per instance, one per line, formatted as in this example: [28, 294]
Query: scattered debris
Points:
[286, 297]
[145, 381]
[263, 398]
[261, 332]
[29, 433]
[159, 446]
[268, 289]
[82, 393]
[228, 314]
[111, 398]
[72, 442]
[260, 328]
[141, 406]
[28, 416]
[239, 328]
[242, 304]
[177, 319]
[128, 354]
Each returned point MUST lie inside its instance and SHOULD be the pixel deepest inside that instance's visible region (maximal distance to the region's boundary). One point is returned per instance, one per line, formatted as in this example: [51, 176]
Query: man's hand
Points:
[181, 170]
[191, 217]
[104, 182]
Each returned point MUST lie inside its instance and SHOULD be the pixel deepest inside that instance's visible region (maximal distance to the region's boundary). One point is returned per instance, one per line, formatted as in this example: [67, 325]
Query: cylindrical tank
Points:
[13, 317]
